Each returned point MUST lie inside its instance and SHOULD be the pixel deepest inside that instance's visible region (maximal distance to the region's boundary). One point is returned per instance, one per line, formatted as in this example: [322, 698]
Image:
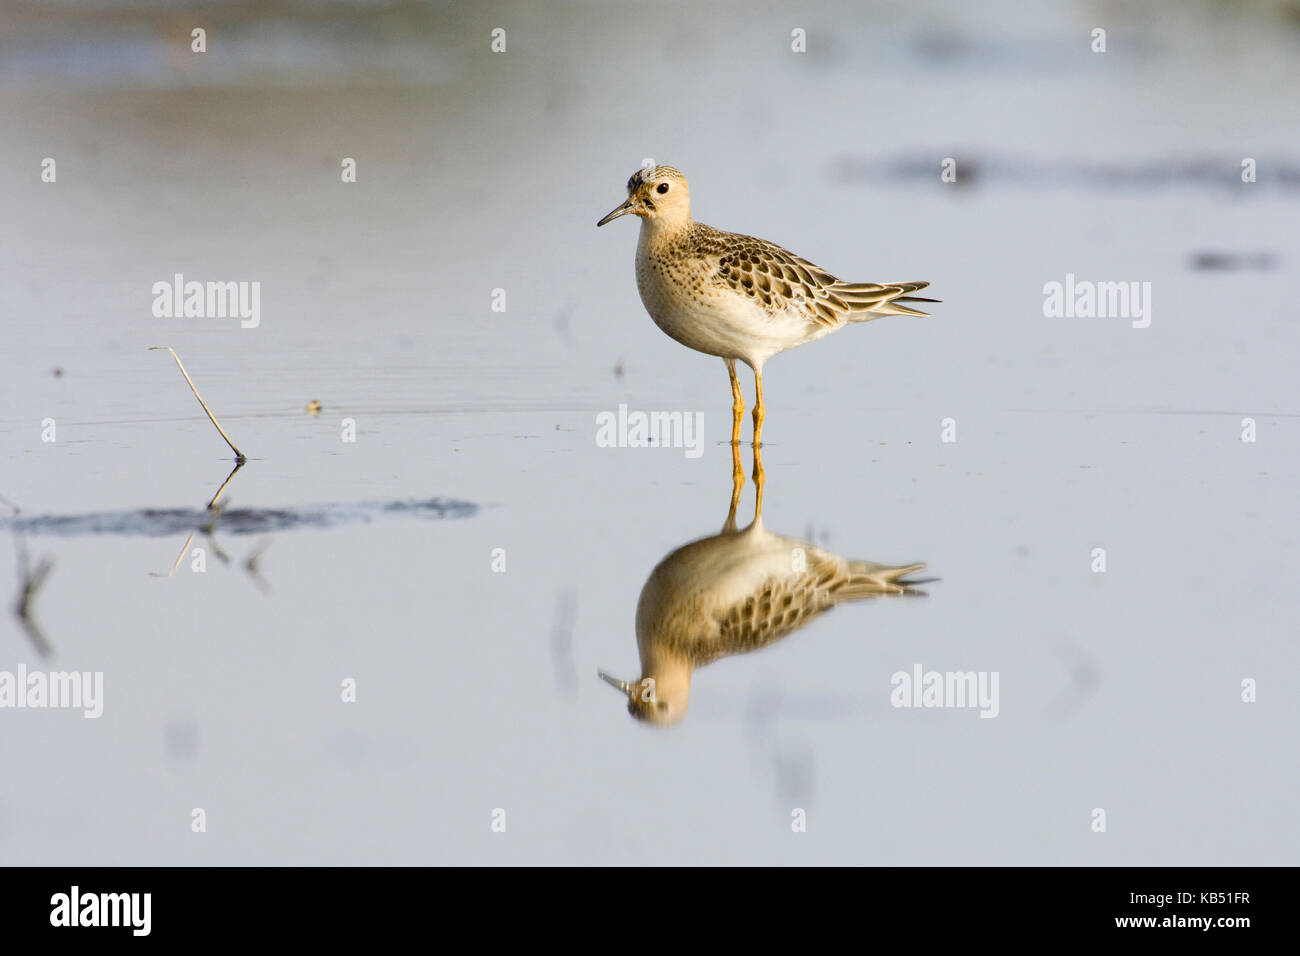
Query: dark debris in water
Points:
[1233, 262]
[158, 522]
[1197, 172]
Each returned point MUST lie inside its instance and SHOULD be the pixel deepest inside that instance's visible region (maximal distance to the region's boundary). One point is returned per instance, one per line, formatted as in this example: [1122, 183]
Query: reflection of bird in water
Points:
[734, 592]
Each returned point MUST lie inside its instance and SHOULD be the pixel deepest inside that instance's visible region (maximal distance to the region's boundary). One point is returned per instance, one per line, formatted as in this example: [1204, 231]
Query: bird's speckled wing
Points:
[785, 603]
[779, 280]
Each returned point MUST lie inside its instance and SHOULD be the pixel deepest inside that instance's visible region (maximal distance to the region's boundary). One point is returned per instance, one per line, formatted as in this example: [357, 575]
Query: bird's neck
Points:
[664, 232]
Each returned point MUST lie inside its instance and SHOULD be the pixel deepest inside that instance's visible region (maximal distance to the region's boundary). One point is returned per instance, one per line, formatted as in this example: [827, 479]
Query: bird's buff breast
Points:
[679, 296]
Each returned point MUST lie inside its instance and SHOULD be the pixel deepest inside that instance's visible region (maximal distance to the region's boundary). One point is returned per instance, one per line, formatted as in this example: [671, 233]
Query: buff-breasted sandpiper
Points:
[735, 296]
[732, 593]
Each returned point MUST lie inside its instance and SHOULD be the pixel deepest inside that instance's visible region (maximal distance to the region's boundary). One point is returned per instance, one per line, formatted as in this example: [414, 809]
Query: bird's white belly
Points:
[714, 319]
[710, 575]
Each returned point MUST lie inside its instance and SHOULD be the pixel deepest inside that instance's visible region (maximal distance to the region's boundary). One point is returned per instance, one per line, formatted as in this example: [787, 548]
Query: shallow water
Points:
[474, 643]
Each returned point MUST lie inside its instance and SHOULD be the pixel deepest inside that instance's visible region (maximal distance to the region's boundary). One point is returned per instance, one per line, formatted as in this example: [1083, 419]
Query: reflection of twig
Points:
[215, 510]
[233, 472]
[239, 455]
[207, 526]
[1085, 678]
[32, 580]
[251, 565]
[179, 558]
[212, 513]
[566, 673]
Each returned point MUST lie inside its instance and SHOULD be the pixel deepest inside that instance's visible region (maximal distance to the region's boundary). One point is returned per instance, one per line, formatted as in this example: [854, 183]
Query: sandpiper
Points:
[735, 592]
[735, 296]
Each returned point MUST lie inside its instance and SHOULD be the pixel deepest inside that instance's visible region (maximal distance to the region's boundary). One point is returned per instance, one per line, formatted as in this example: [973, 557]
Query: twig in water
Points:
[239, 455]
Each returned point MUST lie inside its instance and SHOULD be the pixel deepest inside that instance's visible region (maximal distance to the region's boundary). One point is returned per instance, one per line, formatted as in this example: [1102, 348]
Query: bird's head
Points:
[652, 701]
[658, 194]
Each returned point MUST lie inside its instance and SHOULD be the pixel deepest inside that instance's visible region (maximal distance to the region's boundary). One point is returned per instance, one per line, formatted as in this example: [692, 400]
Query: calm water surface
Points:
[474, 633]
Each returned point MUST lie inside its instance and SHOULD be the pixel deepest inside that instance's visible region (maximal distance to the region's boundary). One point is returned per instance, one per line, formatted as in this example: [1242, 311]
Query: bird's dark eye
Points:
[663, 188]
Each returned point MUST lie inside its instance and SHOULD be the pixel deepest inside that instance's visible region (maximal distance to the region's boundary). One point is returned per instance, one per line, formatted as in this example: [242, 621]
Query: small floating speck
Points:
[313, 407]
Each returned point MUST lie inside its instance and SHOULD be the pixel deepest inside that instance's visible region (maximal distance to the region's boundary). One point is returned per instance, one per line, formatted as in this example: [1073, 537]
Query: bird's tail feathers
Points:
[892, 308]
[871, 300]
[866, 579]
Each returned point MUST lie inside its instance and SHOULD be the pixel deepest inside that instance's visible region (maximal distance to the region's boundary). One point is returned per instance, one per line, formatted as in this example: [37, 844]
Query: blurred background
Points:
[474, 633]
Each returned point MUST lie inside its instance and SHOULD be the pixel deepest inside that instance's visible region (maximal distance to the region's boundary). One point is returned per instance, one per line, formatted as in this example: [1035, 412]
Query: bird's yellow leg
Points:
[759, 479]
[758, 407]
[737, 402]
[737, 486]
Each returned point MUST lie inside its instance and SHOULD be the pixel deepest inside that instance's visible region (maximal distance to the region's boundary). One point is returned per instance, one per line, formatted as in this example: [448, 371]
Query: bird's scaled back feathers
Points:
[783, 604]
[778, 280]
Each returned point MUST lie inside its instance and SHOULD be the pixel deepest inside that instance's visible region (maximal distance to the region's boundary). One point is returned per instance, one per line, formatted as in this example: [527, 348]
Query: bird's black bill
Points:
[622, 210]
